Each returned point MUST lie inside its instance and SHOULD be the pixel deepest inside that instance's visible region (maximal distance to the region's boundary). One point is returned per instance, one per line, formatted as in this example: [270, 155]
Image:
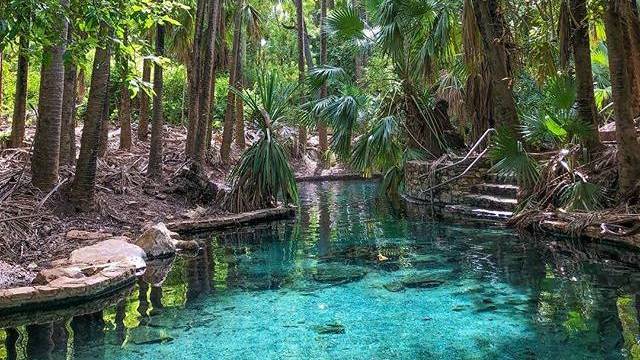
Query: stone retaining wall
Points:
[417, 181]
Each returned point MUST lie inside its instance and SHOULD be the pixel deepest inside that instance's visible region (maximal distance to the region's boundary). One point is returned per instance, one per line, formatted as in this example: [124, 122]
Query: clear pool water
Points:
[354, 278]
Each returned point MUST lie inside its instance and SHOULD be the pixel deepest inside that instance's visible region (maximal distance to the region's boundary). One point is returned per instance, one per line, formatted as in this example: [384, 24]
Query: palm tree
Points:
[620, 66]
[46, 144]
[1, 82]
[20, 100]
[227, 132]
[493, 33]
[322, 129]
[246, 15]
[83, 186]
[585, 100]
[302, 131]
[69, 101]
[205, 82]
[124, 112]
[143, 121]
[154, 170]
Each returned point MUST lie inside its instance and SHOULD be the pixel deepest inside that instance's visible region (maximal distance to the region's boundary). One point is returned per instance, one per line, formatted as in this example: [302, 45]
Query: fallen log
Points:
[224, 221]
[336, 177]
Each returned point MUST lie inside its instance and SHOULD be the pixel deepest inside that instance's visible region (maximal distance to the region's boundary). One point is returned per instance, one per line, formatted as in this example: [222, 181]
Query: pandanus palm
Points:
[263, 173]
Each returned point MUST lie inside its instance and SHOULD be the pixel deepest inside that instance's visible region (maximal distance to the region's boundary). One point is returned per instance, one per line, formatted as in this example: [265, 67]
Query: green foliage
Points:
[554, 122]
[511, 159]
[582, 195]
[263, 173]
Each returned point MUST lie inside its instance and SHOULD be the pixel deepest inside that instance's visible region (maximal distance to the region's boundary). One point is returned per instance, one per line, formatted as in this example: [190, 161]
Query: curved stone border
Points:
[64, 291]
[221, 222]
[39, 315]
[336, 177]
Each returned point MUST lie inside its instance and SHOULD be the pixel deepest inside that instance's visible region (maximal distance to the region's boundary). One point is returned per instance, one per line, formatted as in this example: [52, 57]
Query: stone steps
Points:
[490, 202]
[504, 190]
[495, 179]
[466, 211]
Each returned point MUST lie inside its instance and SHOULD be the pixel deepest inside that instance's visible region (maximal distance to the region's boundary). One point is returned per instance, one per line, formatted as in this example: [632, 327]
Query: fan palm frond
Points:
[511, 159]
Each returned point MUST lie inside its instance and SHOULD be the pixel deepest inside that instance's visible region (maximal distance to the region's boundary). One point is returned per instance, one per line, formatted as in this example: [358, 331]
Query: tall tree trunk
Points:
[227, 132]
[46, 145]
[239, 128]
[69, 101]
[155, 156]
[143, 121]
[626, 133]
[201, 15]
[82, 89]
[103, 143]
[359, 59]
[205, 88]
[125, 117]
[585, 99]
[322, 128]
[124, 111]
[302, 131]
[493, 34]
[1, 88]
[20, 102]
[630, 11]
[83, 186]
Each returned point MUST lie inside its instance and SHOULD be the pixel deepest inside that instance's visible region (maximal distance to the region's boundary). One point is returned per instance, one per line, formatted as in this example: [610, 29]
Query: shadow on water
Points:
[350, 271]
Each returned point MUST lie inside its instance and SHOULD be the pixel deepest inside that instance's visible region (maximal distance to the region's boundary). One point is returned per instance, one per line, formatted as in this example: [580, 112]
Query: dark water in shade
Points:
[353, 278]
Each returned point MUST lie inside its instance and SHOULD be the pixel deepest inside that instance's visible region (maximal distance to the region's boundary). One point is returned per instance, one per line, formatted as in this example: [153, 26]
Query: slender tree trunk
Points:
[1, 88]
[630, 11]
[626, 133]
[125, 117]
[322, 128]
[359, 59]
[201, 12]
[155, 156]
[82, 89]
[585, 99]
[69, 101]
[143, 122]
[302, 131]
[227, 132]
[205, 89]
[493, 32]
[83, 186]
[46, 145]
[239, 128]
[103, 143]
[20, 102]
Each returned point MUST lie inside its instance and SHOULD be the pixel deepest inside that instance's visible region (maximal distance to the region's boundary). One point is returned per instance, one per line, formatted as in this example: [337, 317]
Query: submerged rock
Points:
[333, 328]
[338, 274]
[421, 281]
[146, 336]
[394, 286]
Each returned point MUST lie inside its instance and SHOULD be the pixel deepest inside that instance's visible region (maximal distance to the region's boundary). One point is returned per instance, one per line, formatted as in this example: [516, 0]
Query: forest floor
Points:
[35, 226]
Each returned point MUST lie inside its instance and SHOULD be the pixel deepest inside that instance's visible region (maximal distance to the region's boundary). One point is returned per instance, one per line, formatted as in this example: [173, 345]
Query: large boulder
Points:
[157, 241]
[46, 276]
[116, 249]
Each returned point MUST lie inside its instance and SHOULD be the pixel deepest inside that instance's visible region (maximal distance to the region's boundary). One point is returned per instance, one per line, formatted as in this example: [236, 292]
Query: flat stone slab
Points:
[89, 273]
[67, 289]
[109, 251]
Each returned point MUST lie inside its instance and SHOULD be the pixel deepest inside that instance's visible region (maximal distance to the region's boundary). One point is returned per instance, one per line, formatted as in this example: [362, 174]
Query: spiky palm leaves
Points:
[263, 174]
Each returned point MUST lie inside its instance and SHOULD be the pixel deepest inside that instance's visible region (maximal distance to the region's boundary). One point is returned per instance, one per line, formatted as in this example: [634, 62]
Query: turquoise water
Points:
[355, 278]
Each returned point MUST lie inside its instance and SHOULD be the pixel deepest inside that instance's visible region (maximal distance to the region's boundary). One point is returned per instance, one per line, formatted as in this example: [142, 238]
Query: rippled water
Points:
[353, 278]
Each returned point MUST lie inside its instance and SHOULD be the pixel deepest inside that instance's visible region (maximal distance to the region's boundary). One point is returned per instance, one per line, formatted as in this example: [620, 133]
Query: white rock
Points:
[157, 241]
[110, 251]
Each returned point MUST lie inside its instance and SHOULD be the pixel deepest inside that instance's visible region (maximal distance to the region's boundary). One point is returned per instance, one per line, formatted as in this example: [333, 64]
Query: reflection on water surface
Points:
[353, 278]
